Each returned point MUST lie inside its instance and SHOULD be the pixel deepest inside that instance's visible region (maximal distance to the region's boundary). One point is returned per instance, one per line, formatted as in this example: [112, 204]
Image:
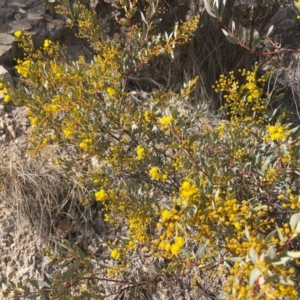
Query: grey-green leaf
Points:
[254, 276]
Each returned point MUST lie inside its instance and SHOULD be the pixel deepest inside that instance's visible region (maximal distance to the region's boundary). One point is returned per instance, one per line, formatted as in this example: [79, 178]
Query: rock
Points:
[64, 227]
[7, 48]
[10, 271]
[22, 24]
[5, 76]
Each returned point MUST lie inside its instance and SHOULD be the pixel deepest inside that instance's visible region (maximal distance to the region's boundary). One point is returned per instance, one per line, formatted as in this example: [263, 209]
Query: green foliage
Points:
[187, 195]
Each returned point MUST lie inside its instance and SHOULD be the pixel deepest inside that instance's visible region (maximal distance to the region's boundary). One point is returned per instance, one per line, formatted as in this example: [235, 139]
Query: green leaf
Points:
[225, 32]
[234, 259]
[293, 254]
[271, 253]
[278, 97]
[254, 276]
[78, 251]
[143, 18]
[256, 39]
[247, 233]
[270, 30]
[193, 138]
[253, 256]
[174, 113]
[208, 9]
[67, 275]
[266, 163]
[282, 239]
[5, 294]
[231, 40]
[295, 218]
[200, 250]
[282, 261]
[173, 268]
[34, 283]
[270, 235]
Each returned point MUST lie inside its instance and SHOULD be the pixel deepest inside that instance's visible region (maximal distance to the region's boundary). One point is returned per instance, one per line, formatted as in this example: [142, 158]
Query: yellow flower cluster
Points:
[138, 228]
[155, 174]
[243, 101]
[85, 144]
[188, 192]
[166, 121]
[3, 91]
[67, 132]
[115, 254]
[101, 195]
[277, 133]
[271, 175]
[23, 67]
[140, 152]
[47, 44]
[111, 91]
[174, 247]
[253, 90]
[18, 33]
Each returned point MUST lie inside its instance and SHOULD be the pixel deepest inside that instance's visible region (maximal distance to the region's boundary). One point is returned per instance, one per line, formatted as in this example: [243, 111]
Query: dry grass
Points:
[36, 189]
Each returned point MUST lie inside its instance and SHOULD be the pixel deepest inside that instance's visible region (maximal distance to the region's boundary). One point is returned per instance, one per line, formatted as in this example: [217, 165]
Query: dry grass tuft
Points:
[36, 189]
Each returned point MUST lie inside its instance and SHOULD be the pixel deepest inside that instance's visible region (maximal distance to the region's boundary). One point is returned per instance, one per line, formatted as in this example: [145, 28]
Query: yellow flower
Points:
[85, 144]
[154, 173]
[188, 190]
[115, 254]
[18, 34]
[32, 120]
[6, 98]
[165, 121]
[175, 249]
[276, 132]
[101, 195]
[23, 67]
[167, 247]
[164, 177]
[179, 240]
[67, 132]
[111, 91]
[47, 44]
[140, 152]
[166, 215]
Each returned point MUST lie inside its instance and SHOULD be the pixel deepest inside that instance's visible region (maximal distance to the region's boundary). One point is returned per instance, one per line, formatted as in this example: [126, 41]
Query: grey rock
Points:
[6, 39]
[22, 24]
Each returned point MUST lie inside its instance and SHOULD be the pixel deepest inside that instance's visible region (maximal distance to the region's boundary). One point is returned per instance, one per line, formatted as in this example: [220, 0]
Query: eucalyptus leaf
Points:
[200, 250]
[231, 40]
[234, 259]
[270, 30]
[253, 256]
[293, 254]
[270, 236]
[295, 218]
[208, 9]
[254, 276]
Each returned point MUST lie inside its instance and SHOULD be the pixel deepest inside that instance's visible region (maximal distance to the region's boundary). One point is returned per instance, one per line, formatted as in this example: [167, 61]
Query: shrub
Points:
[192, 199]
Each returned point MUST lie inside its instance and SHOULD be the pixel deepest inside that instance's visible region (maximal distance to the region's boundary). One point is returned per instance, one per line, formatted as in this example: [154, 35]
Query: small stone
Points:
[10, 271]
[64, 227]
